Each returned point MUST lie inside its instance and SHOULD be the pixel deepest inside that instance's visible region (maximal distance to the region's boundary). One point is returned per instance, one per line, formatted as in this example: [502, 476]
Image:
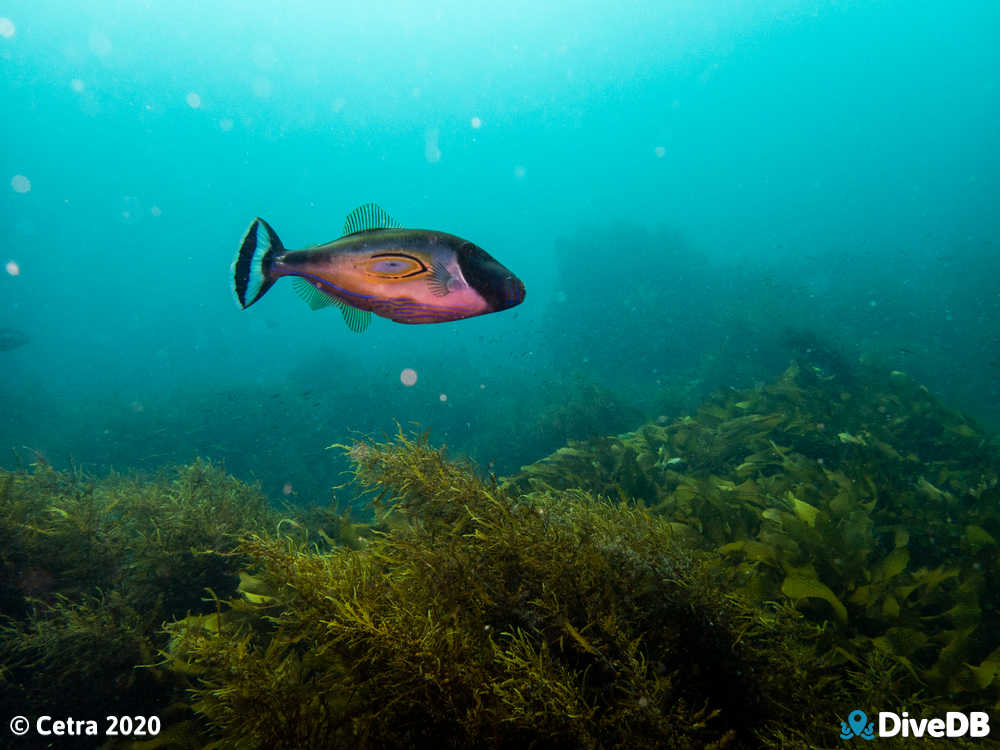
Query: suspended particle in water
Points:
[226, 124]
[156, 211]
[20, 183]
[443, 397]
[130, 209]
[77, 85]
[264, 56]
[432, 152]
[287, 489]
[262, 87]
[660, 151]
[6, 28]
[12, 268]
[408, 376]
[476, 123]
[193, 100]
[520, 172]
[99, 43]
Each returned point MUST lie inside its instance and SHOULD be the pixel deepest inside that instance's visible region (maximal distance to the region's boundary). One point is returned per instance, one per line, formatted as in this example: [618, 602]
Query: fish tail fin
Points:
[252, 269]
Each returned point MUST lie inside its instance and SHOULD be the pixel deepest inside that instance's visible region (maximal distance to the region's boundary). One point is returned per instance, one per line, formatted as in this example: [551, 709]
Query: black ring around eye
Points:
[421, 266]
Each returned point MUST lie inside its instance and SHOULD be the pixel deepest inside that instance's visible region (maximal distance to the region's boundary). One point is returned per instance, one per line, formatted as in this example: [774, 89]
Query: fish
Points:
[11, 338]
[406, 275]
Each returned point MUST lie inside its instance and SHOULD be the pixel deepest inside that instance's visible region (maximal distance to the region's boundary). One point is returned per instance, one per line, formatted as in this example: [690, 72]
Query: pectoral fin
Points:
[439, 279]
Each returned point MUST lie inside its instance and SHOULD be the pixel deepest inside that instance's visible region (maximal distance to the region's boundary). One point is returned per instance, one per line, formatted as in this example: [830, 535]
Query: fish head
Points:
[496, 284]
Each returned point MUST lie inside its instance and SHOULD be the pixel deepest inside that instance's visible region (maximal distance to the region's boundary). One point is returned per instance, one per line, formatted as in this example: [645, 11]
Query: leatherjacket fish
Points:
[377, 266]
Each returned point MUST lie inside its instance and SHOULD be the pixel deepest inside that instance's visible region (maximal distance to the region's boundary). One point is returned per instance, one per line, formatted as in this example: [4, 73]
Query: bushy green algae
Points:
[91, 569]
[640, 590]
[867, 504]
[485, 618]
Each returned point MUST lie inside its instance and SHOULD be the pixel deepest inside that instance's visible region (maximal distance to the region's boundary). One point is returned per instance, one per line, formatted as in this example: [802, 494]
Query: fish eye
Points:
[395, 265]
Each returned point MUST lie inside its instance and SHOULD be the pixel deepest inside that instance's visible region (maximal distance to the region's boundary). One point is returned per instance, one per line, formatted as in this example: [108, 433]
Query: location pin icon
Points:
[857, 720]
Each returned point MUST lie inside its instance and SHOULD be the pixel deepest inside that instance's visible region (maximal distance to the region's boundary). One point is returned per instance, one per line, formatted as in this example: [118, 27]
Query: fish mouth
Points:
[513, 291]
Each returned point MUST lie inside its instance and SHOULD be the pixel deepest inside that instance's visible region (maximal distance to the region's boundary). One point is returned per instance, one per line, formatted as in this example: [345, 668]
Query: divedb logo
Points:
[954, 724]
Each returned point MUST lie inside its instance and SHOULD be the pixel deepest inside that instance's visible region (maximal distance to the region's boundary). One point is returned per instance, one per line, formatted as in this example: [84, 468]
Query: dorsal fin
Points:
[367, 217]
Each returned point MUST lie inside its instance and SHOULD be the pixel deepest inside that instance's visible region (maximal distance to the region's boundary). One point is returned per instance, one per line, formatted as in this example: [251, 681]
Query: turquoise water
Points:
[693, 193]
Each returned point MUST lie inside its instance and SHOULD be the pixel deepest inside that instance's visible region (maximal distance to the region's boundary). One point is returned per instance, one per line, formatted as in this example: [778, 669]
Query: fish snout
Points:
[513, 289]
[494, 282]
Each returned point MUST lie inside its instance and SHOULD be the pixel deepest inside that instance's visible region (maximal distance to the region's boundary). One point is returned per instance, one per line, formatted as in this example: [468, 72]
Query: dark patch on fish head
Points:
[493, 281]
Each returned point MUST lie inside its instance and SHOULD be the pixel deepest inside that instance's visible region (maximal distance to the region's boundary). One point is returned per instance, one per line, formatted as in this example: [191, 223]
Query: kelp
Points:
[482, 617]
[863, 502]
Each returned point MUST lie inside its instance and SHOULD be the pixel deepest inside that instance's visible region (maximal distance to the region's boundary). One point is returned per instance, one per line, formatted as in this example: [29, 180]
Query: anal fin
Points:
[357, 320]
[313, 297]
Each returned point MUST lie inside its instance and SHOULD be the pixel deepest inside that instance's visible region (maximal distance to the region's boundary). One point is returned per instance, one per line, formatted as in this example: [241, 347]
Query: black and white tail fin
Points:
[252, 275]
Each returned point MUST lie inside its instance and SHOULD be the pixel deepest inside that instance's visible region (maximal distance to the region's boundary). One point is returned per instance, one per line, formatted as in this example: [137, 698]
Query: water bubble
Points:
[443, 397]
[77, 85]
[408, 376]
[476, 123]
[13, 268]
[6, 28]
[20, 183]
[193, 100]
